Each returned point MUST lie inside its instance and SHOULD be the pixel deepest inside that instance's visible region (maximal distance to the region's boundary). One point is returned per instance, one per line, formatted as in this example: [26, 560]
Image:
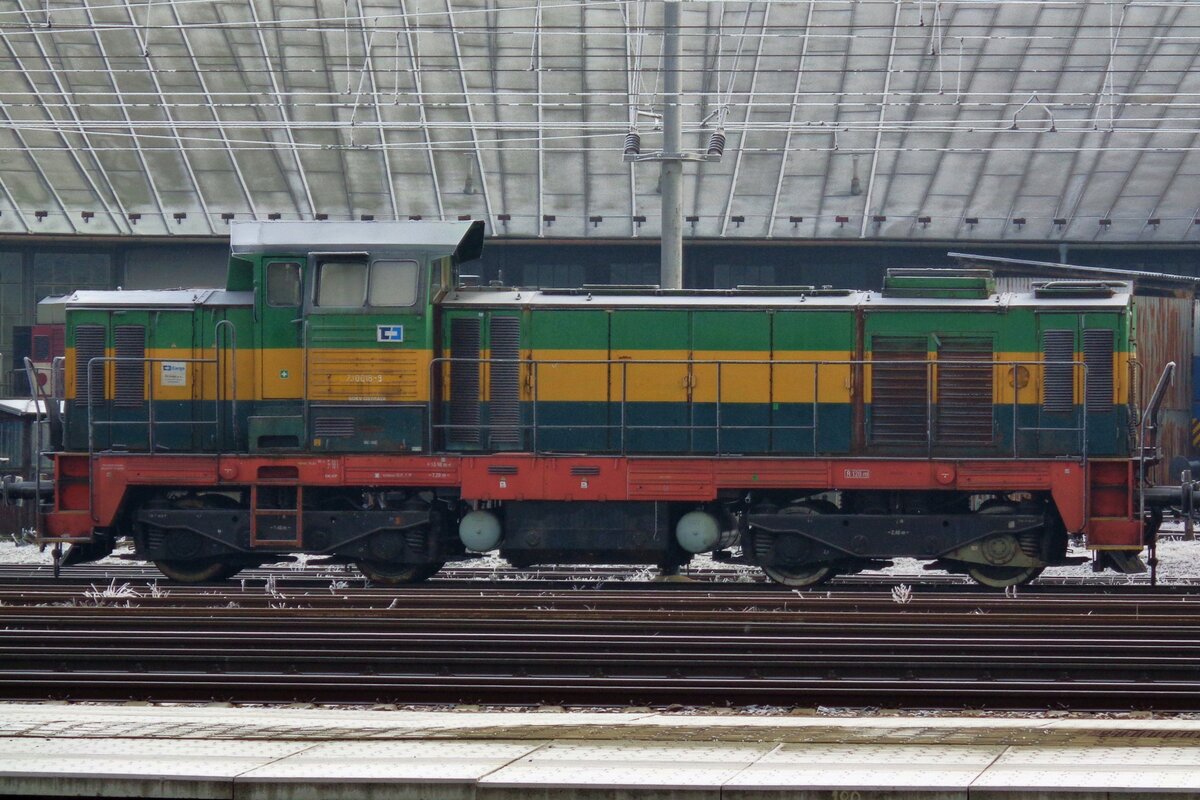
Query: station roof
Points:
[1038, 120]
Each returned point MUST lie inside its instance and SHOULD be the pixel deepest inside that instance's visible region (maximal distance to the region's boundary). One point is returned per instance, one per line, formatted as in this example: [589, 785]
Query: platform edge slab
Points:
[352, 790]
[103, 786]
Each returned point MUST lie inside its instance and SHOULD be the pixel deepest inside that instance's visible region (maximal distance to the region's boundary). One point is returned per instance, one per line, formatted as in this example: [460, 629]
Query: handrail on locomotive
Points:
[151, 423]
[1150, 497]
[531, 386]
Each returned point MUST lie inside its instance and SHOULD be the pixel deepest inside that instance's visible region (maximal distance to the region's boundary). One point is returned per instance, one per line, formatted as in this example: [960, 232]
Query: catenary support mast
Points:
[671, 275]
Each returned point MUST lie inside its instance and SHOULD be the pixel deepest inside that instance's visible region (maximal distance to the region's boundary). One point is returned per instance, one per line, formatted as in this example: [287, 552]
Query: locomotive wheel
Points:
[1002, 577]
[999, 577]
[811, 574]
[800, 577]
[394, 574]
[197, 571]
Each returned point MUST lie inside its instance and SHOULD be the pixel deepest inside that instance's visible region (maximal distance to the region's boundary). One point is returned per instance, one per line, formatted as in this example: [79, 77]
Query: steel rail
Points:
[946, 654]
[715, 578]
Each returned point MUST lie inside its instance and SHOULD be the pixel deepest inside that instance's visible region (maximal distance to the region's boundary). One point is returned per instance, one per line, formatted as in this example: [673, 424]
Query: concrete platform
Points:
[57, 750]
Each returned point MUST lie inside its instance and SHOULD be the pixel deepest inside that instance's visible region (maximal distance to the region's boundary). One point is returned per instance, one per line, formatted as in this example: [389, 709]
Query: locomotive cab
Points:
[346, 330]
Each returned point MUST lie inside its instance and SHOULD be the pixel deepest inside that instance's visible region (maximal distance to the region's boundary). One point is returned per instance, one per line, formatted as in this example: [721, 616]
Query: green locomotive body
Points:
[345, 395]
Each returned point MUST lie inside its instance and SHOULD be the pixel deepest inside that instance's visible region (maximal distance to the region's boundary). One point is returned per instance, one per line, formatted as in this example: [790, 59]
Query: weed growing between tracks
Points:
[102, 597]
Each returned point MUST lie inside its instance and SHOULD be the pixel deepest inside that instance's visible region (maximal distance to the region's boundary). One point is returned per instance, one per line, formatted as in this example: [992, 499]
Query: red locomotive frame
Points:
[1096, 497]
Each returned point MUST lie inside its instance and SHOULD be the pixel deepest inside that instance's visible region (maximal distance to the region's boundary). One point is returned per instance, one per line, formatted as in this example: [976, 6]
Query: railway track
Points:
[715, 577]
[737, 646]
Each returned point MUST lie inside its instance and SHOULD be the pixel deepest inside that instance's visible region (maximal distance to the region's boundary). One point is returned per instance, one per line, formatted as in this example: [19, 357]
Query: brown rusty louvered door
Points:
[899, 390]
[964, 411]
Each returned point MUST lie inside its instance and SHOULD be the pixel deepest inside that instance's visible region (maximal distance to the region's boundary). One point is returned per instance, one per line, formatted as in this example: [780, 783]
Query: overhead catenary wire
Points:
[320, 82]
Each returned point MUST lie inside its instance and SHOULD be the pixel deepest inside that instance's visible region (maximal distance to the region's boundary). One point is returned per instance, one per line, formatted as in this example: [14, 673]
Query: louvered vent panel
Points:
[1058, 351]
[899, 391]
[505, 387]
[130, 341]
[464, 381]
[1098, 358]
[333, 427]
[89, 344]
[964, 391]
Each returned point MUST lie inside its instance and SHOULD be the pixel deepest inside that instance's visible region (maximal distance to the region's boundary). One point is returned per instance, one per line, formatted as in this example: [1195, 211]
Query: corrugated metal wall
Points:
[1165, 328]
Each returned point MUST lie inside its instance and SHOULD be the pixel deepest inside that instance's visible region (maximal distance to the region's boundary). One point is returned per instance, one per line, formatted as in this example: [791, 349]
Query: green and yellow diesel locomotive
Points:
[346, 395]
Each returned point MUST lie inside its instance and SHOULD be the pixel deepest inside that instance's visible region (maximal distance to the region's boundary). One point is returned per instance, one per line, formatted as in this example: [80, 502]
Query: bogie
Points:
[1000, 543]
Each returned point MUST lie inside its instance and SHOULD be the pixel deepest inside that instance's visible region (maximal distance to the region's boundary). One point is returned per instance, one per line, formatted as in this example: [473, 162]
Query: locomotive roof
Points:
[492, 296]
[158, 298]
[463, 240]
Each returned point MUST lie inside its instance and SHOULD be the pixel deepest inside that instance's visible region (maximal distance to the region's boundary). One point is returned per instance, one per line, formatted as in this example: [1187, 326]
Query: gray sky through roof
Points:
[1029, 120]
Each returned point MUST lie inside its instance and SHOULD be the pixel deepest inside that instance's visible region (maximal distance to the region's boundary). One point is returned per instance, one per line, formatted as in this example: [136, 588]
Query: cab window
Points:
[283, 284]
[393, 283]
[341, 284]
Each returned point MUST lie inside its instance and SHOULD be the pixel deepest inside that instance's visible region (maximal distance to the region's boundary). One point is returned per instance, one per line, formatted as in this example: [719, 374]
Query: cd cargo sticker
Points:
[174, 373]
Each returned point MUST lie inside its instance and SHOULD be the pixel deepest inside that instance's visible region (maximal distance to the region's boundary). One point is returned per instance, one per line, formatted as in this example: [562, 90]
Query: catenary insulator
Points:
[716, 143]
[633, 143]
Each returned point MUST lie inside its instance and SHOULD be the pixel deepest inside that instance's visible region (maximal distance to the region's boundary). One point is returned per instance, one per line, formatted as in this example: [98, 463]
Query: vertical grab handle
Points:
[1148, 429]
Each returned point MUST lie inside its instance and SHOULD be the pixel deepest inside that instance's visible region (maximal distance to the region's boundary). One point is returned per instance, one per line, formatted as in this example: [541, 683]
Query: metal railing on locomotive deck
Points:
[1075, 420]
[151, 422]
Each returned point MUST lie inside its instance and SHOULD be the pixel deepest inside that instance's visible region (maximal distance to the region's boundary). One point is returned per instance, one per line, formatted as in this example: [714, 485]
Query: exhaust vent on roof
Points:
[940, 284]
[1081, 289]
